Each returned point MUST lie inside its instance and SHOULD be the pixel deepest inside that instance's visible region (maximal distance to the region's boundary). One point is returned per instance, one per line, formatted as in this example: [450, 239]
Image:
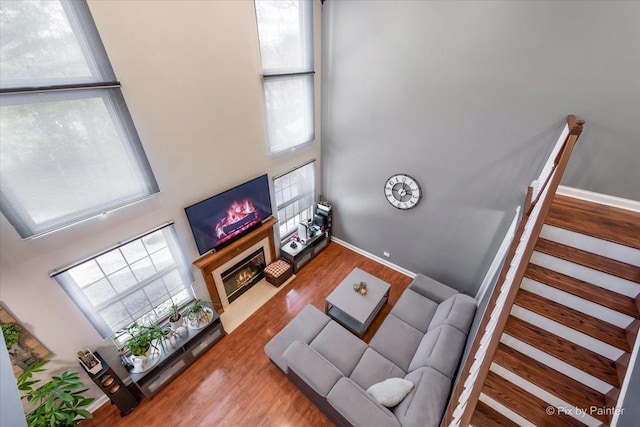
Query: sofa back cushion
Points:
[456, 311]
[425, 404]
[440, 349]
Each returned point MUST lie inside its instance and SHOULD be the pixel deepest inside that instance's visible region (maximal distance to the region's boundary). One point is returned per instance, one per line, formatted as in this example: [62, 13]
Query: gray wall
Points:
[468, 97]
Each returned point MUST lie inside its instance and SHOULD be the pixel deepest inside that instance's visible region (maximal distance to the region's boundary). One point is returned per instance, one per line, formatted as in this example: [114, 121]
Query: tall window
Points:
[285, 28]
[138, 280]
[69, 149]
[295, 197]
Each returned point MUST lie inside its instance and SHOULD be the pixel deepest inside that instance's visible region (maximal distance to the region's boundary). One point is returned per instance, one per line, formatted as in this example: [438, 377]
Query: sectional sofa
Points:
[421, 341]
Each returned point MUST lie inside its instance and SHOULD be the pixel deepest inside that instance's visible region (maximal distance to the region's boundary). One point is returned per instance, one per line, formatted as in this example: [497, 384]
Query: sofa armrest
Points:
[358, 406]
[432, 289]
[320, 374]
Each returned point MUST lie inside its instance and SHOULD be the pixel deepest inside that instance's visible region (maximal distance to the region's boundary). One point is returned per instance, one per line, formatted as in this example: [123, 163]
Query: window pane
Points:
[289, 110]
[42, 44]
[86, 273]
[99, 293]
[285, 30]
[111, 262]
[133, 251]
[123, 280]
[65, 157]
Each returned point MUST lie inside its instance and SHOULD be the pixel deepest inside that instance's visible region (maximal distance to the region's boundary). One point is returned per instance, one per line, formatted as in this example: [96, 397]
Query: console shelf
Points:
[177, 358]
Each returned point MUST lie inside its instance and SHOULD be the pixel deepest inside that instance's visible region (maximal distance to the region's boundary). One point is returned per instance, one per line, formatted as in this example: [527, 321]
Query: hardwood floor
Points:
[234, 383]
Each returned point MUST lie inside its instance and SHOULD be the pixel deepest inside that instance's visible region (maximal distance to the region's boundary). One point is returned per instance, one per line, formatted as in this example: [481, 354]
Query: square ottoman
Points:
[278, 272]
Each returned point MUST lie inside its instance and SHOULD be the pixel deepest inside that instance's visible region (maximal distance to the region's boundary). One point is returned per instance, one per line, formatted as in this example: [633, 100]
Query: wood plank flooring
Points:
[234, 383]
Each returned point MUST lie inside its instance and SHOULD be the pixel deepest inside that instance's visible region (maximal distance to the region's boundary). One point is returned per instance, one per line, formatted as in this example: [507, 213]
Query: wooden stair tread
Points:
[556, 383]
[590, 260]
[588, 291]
[586, 360]
[594, 219]
[589, 325]
[524, 403]
[485, 416]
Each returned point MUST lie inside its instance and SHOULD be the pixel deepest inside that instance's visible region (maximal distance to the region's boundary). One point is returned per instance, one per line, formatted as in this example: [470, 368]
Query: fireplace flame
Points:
[238, 211]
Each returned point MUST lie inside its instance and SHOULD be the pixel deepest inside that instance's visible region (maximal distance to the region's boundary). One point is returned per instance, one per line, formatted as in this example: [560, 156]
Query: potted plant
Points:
[198, 314]
[11, 333]
[58, 402]
[89, 361]
[142, 338]
[141, 342]
[175, 320]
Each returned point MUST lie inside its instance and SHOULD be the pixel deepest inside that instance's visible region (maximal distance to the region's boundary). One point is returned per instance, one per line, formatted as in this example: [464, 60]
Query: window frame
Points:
[288, 72]
[92, 311]
[102, 79]
[293, 200]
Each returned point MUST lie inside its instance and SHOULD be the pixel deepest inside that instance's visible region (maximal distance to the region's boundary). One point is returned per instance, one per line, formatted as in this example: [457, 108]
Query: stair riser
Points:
[594, 245]
[557, 364]
[567, 333]
[607, 281]
[587, 307]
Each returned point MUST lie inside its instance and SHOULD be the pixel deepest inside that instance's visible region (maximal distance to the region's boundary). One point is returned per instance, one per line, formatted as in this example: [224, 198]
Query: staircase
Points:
[566, 344]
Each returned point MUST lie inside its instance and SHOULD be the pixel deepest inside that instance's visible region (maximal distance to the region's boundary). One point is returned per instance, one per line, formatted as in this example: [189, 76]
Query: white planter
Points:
[199, 324]
[177, 324]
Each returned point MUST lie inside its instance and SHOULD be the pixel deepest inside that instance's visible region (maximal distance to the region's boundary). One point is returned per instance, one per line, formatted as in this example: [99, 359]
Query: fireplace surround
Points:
[214, 264]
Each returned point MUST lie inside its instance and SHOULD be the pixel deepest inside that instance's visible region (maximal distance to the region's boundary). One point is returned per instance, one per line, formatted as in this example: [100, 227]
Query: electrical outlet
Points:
[387, 254]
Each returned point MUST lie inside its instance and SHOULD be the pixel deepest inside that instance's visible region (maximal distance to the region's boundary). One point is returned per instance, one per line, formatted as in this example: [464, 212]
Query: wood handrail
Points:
[536, 210]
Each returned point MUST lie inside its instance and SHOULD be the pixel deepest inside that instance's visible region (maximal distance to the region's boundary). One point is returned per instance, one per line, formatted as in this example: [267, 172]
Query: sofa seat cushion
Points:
[339, 347]
[415, 309]
[456, 311]
[440, 349]
[397, 341]
[425, 404]
[310, 366]
[304, 327]
[374, 368]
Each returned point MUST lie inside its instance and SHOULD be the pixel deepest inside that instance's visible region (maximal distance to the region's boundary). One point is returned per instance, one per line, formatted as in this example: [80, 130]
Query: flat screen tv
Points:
[223, 218]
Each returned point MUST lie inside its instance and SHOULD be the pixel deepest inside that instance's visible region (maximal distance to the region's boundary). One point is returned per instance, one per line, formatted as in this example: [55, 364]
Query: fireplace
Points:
[243, 275]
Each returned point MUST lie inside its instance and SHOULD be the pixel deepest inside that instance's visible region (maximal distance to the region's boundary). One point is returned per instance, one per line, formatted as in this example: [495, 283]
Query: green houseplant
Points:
[198, 314]
[142, 338]
[59, 402]
[11, 333]
[175, 320]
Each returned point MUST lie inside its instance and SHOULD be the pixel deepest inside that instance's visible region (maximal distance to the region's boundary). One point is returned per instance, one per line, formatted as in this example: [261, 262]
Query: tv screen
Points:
[219, 220]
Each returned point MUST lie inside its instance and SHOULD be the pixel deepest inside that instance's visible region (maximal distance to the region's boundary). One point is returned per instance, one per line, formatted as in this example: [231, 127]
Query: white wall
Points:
[191, 76]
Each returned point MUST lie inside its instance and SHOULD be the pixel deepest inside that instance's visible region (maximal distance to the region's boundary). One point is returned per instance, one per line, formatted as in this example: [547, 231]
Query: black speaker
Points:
[114, 388]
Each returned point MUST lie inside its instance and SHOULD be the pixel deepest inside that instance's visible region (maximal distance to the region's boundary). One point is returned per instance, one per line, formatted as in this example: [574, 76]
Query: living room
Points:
[465, 97]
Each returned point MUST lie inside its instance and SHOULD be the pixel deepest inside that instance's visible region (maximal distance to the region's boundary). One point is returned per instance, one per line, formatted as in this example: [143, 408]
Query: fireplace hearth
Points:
[242, 276]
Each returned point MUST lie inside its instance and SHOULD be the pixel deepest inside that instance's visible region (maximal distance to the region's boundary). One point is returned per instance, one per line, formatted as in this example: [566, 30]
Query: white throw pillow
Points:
[391, 391]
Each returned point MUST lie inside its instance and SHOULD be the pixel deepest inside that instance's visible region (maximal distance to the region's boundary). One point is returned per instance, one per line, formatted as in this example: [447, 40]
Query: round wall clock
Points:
[402, 191]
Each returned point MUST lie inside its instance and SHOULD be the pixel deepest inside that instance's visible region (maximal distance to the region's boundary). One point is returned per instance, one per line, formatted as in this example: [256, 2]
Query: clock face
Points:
[402, 191]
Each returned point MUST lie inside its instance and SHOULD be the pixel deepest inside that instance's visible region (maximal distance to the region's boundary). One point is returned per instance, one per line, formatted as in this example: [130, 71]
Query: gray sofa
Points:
[421, 340]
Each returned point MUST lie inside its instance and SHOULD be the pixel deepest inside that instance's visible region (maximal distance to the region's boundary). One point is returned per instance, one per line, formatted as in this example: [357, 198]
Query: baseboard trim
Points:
[96, 404]
[604, 199]
[374, 257]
